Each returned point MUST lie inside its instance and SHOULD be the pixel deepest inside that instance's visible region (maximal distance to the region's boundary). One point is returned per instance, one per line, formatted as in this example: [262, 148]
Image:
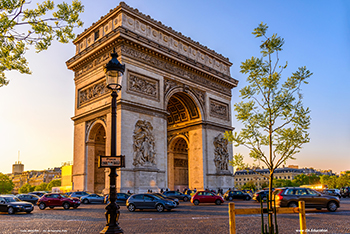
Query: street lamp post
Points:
[113, 70]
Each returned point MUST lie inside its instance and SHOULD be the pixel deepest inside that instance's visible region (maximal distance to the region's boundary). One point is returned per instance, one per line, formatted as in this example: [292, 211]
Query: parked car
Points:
[178, 195]
[55, 200]
[206, 197]
[78, 194]
[236, 194]
[121, 198]
[345, 192]
[331, 192]
[163, 196]
[261, 194]
[39, 193]
[289, 197]
[12, 204]
[92, 198]
[149, 201]
[32, 198]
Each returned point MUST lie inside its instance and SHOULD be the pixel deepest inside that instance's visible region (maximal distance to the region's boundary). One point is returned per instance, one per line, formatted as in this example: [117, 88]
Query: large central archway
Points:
[182, 113]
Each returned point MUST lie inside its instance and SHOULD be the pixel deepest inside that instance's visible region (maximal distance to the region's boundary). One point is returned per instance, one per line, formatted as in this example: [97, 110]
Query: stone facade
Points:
[174, 103]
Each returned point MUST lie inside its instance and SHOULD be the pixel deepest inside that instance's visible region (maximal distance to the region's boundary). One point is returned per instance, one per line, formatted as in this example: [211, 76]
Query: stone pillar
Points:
[196, 166]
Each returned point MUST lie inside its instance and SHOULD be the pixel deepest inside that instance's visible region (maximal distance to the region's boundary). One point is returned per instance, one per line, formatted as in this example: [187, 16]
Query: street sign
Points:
[112, 161]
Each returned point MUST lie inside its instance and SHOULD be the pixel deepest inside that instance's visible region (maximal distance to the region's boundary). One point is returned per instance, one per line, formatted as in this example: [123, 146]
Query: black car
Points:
[121, 198]
[178, 195]
[262, 194]
[237, 194]
[12, 204]
[345, 192]
[32, 198]
[163, 196]
[149, 201]
[39, 193]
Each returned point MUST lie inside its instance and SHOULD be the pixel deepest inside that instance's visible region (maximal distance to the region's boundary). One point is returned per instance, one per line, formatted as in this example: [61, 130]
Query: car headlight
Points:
[169, 203]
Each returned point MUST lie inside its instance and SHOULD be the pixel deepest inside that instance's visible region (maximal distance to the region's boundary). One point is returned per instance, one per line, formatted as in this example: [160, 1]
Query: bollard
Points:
[302, 217]
[232, 218]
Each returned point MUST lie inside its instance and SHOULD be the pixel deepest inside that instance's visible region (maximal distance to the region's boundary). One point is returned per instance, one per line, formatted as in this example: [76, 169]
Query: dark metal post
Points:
[112, 208]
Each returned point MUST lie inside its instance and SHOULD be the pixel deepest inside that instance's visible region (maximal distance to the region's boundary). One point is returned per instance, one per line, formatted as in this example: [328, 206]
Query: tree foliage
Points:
[21, 26]
[41, 187]
[53, 183]
[26, 188]
[275, 123]
[6, 184]
[333, 182]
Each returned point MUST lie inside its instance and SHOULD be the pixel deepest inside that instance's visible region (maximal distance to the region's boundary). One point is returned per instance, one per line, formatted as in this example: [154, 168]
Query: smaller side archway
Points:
[95, 146]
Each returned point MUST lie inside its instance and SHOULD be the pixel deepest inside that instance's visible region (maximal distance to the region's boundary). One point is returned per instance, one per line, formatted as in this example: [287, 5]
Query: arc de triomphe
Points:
[171, 112]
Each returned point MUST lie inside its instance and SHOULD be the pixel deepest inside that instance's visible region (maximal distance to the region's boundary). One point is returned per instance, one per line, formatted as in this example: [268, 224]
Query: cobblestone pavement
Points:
[187, 218]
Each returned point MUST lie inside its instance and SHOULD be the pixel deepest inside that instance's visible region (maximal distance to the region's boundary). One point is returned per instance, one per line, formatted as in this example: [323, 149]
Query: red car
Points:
[55, 199]
[206, 197]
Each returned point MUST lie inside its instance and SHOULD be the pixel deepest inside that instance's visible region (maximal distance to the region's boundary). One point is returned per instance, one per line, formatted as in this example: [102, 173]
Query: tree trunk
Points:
[269, 204]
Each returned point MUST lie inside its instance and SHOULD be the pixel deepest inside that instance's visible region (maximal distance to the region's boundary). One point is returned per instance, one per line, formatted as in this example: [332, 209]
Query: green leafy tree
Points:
[21, 26]
[304, 179]
[53, 183]
[249, 186]
[26, 188]
[6, 184]
[275, 123]
[283, 183]
[41, 187]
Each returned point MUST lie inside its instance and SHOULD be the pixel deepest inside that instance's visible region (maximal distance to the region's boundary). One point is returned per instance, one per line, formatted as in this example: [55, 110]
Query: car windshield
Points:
[63, 195]
[12, 199]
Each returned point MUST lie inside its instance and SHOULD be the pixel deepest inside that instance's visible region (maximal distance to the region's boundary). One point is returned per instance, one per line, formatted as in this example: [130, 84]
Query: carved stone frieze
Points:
[143, 86]
[169, 85]
[153, 61]
[221, 158]
[219, 109]
[144, 152]
[92, 92]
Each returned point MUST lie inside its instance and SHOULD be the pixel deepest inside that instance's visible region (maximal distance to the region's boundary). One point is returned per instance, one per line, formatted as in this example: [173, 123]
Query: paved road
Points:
[205, 218]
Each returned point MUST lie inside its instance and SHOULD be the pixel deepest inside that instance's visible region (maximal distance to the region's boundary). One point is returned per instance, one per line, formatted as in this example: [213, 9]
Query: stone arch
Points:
[178, 163]
[184, 126]
[95, 146]
[186, 91]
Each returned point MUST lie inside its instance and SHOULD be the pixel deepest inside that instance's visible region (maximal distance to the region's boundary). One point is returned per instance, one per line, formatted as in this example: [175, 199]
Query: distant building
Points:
[260, 176]
[66, 177]
[20, 177]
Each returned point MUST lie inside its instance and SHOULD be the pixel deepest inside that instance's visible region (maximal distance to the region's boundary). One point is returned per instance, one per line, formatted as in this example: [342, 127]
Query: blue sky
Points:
[35, 110]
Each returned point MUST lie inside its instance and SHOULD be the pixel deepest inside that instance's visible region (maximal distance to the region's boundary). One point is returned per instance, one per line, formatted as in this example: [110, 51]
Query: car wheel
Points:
[196, 202]
[230, 198]
[292, 204]
[247, 198]
[10, 210]
[42, 206]
[160, 208]
[218, 202]
[332, 206]
[66, 206]
[28, 212]
[185, 199]
[86, 201]
[131, 207]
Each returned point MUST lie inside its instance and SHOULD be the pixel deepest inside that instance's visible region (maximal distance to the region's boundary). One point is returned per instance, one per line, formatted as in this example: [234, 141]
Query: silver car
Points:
[91, 198]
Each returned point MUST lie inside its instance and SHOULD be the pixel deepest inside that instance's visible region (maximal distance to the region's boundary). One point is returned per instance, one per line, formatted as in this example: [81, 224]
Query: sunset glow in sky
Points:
[36, 110]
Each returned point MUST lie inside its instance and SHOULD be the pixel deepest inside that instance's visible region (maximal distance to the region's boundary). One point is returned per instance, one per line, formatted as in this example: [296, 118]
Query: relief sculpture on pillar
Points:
[144, 153]
[221, 158]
